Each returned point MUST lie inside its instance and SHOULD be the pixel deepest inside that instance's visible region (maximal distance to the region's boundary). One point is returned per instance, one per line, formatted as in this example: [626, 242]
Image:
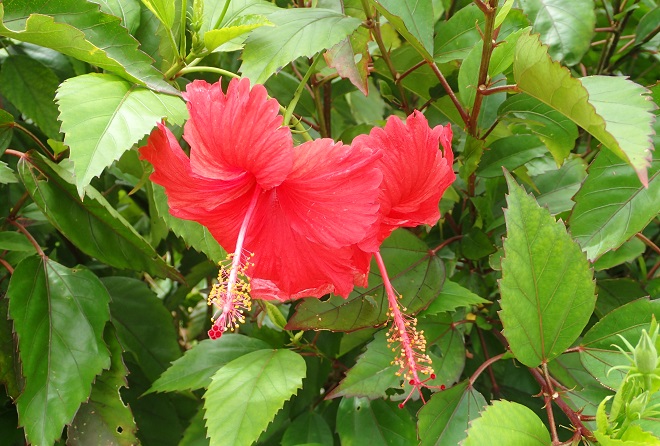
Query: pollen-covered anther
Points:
[230, 295]
[411, 346]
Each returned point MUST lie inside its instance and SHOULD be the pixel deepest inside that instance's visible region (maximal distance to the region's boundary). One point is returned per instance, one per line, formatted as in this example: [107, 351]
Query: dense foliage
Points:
[537, 291]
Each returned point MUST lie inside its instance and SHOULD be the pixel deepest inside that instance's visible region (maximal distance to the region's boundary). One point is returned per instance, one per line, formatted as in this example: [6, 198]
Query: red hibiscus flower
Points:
[291, 215]
[415, 175]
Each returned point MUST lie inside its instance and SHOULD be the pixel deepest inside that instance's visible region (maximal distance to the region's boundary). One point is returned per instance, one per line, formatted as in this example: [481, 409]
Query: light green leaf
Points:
[627, 252]
[451, 297]
[163, 9]
[298, 32]
[144, 326]
[127, 10]
[237, 27]
[91, 224]
[236, 9]
[416, 275]
[7, 174]
[468, 75]
[59, 315]
[30, 86]
[503, 12]
[587, 105]
[456, 37]
[444, 420]
[505, 422]
[103, 116]
[413, 19]
[566, 26]
[547, 286]
[379, 422]
[373, 373]
[597, 352]
[556, 131]
[193, 233]
[78, 29]
[309, 428]
[245, 395]
[611, 206]
[510, 152]
[557, 187]
[194, 370]
[105, 419]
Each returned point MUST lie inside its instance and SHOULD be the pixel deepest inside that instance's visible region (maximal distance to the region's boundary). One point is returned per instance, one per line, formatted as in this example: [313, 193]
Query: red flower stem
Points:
[399, 322]
[236, 261]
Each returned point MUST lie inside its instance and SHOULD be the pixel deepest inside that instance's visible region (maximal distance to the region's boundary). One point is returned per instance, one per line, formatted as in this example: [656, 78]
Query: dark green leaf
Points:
[195, 434]
[456, 37]
[6, 130]
[557, 187]
[105, 419]
[195, 369]
[7, 174]
[505, 422]
[373, 373]
[598, 354]
[614, 293]
[414, 21]
[451, 297]
[245, 394]
[611, 206]
[144, 326]
[91, 224]
[556, 131]
[193, 233]
[446, 347]
[547, 286]
[444, 420]
[78, 29]
[416, 275]
[309, 428]
[30, 86]
[647, 25]
[510, 152]
[10, 375]
[627, 252]
[566, 26]
[127, 10]
[379, 422]
[15, 241]
[298, 32]
[59, 315]
[103, 116]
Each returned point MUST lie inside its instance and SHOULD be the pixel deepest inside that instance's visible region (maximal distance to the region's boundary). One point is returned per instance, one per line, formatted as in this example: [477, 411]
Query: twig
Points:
[445, 243]
[648, 242]
[464, 116]
[25, 232]
[483, 367]
[7, 266]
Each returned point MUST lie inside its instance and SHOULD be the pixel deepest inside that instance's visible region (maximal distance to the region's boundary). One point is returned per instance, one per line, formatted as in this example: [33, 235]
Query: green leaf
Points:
[557, 187]
[510, 152]
[15, 241]
[614, 293]
[7, 174]
[623, 126]
[451, 297]
[413, 19]
[193, 233]
[416, 275]
[373, 373]
[91, 224]
[78, 29]
[547, 287]
[245, 394]
[468, 75]
[627, 252]
[505, 422]
[237, 27]
[597, 352]
[10, 367]
[163, 9]
[473, 150]
[458, 35]
[378, 422]
[351, 58]
[144, 326]
[446, 347]
[298, 32]
[105, 419]
[195, 434]
[647, 25]
[502, 13]
[6, 130]
[444, 420]
[309, 428]
[59, 315]
[198, 365]
[127, 10]
[556, 131]
[30, 86]
[103, 116]
[566, 26]
[611, 206]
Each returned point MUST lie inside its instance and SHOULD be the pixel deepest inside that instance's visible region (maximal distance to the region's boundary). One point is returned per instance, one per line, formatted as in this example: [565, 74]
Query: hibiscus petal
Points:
[415, 173]
[217, 204]
[240, 131]
[330, 196]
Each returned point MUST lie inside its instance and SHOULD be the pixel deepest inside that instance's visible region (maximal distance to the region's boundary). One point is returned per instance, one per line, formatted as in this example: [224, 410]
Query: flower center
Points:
[231, 295]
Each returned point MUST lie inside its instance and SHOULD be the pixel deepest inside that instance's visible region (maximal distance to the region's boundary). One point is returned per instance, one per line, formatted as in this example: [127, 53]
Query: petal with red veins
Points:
[330, 196]
[220, 205]
[240, 131]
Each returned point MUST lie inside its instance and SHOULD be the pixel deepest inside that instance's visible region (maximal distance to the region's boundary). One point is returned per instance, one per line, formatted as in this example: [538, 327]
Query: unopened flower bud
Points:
[635, 409]
[645, 354]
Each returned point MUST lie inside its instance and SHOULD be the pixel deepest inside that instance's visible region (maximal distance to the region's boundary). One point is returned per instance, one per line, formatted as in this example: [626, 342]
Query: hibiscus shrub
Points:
[329, 222]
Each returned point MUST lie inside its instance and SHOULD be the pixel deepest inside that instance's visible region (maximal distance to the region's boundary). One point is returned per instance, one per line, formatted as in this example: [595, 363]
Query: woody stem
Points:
[399, 322]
